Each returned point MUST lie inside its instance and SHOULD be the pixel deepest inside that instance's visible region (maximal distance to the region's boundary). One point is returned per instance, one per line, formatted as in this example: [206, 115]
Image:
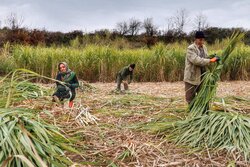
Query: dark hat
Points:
[199, 34]
[132, 66]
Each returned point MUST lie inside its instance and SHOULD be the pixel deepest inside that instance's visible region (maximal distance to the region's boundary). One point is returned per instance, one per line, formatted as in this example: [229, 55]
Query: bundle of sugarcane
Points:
[26, 140]
[213, 129]
[17, 86]
[21, 90]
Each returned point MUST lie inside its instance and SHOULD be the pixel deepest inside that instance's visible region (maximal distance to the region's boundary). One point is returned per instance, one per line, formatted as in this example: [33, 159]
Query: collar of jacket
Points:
[203, 46]
[198, 50]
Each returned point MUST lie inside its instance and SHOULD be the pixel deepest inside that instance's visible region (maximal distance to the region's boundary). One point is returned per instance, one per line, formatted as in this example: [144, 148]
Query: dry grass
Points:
[176, 89]
[122, 135]
[118, 140]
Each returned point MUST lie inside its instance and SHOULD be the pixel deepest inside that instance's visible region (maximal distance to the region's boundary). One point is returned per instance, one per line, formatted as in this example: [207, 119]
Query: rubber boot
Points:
[71, 104]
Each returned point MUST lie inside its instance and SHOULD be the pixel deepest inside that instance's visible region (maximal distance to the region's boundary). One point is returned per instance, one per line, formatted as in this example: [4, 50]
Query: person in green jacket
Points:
[122, 76]
[66, 89]
[196, 60]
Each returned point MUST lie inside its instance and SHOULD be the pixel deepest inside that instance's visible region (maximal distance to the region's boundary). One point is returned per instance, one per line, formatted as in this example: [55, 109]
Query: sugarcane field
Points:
[124, 83]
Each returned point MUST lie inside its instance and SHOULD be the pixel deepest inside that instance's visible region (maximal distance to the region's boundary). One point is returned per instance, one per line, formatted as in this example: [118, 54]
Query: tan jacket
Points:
[193, 64]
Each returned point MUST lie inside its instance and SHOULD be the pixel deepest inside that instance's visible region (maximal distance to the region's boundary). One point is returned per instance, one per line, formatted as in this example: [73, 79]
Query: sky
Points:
[90, 15]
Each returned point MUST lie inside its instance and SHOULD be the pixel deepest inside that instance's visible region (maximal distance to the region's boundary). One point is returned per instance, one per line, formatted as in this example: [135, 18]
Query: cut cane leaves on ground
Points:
[25, 138]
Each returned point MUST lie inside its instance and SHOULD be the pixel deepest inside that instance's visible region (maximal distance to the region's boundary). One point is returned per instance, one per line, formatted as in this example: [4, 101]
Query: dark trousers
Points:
[119, 81]
[191, 91]
[65, 95]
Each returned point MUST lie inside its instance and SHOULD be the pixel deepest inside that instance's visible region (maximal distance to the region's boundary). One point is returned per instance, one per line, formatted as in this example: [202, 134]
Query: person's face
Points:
[200, 41]
[62, 68]
[130, 69]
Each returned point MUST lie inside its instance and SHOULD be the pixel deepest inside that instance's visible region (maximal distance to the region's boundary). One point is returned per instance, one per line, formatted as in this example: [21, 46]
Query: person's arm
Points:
[194, 58]
[75, 83]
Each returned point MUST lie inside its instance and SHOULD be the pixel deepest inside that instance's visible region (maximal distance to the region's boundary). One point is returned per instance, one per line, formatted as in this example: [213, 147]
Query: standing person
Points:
[196, 60]
[122, 76]
[67, 90]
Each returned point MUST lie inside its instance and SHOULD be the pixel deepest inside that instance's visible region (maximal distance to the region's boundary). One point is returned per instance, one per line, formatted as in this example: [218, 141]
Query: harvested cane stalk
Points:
[84, 118]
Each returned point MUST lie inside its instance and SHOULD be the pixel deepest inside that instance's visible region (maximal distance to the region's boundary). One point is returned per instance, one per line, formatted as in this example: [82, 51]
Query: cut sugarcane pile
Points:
[28, 140]
[84, 117]
[217, 130]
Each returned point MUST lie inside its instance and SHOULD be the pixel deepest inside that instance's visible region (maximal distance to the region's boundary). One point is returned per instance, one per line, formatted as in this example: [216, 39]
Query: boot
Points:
[71, 104]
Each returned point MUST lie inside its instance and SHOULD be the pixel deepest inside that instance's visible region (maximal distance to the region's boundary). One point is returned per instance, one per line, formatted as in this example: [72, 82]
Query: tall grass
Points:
[101, 63]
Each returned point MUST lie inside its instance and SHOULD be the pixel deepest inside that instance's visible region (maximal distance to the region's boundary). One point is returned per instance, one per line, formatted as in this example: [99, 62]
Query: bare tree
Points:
[170, 23]
[150, 28]
[200, 22]
[180, 20]
[134, 26]
[13, 21]
[122, 28]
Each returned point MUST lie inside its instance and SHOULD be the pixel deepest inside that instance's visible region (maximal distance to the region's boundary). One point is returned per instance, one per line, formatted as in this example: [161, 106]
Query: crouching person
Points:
[66, 89]
[122, 76]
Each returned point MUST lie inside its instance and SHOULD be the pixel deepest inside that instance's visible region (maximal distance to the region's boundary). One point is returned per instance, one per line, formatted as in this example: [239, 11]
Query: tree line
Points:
[137, 32]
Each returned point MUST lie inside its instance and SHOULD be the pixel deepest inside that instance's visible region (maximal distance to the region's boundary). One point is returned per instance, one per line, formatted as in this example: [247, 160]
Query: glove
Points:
[215, 59]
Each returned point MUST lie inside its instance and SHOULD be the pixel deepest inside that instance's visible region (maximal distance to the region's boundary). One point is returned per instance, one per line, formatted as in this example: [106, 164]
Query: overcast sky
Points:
[88, 15]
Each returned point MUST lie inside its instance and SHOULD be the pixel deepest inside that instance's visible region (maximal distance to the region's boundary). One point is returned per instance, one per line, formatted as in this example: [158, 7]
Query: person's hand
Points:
[215, 59]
